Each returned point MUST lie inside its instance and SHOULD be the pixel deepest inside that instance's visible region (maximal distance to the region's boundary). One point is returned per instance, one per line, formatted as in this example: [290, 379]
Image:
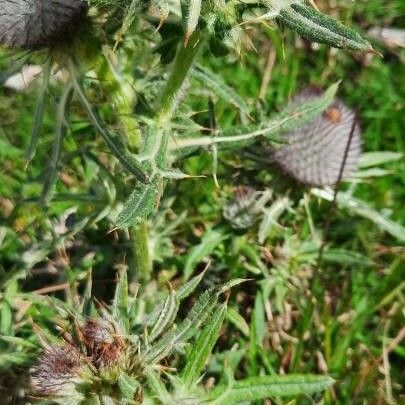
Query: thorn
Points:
[161, 22]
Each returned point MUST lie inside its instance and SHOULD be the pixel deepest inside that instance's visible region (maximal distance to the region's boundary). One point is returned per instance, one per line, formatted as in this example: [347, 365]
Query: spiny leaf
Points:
[187, 328]
[257, 388]
[128, 386]
[157, 386]
[291, 117]
[167, 314]
[141, 203]
[183, 292]
[202, 348]
[192, 17]
[318, 27]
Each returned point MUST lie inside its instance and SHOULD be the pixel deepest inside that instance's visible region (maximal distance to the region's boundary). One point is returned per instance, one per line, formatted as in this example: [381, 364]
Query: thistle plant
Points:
[112, 357]
[151, 136]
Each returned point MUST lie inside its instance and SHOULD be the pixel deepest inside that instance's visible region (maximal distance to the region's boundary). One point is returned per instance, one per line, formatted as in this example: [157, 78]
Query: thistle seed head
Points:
[57, 367]
[36, 24]
[313, 154]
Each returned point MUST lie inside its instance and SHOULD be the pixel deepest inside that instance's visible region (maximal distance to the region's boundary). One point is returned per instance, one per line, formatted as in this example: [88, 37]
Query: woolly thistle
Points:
[314, 153]
[35, 24]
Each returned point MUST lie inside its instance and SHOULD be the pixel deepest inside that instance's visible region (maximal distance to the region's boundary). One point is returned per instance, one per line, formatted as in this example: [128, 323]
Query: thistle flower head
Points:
[56, 370]
[103, 343]
[36, 24]
[314, 153]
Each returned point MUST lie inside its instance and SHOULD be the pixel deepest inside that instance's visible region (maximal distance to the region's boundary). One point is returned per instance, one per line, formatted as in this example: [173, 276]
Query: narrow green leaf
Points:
[128, 386]
[60, 132]
[257, 388]
[291, 117]
[371, 159]
[271, 216]
[259, 320]
[125, 157]
[202, 348]
[236, 319]
[187, 328]
[361, 208]
[167, 314]
[186, 289]
[157, 386]
[143, 200]
[39, 111]
[318, 27]
[120, 302]
[192, 17]
[183, 292]
[220, 88]
[210, 240]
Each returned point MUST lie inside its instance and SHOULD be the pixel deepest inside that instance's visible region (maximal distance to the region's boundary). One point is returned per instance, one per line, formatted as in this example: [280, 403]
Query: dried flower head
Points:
[39, 23]
[56, 369]
[314, 153]
[103, 343]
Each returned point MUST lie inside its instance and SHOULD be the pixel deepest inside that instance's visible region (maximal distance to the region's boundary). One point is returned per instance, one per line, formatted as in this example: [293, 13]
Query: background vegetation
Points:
[344, 319]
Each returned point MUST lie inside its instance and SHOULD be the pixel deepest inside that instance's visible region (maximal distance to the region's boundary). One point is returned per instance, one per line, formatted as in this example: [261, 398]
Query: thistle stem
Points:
[156, 145]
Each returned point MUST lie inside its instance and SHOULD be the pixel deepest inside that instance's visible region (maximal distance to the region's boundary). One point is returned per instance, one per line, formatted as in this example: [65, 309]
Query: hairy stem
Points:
[155, 147]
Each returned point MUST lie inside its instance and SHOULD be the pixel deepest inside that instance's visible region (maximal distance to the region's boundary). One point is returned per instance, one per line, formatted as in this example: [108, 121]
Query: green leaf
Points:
[210, 240]
[157, 386]
[186, 289]
[361, 208]
[187, 328]
[39, 112]
[257, 388]
[183, 292]
[202, 348]
[120, 302]
[318, 27]
[192, 17]
[60, 132]
[167, 314]
[128, 386]
[220, 88]
[271, 216]
[291, 117]
[125, 157]
[143, 200]
[371, 159]
[259, 320]
[236, 319]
